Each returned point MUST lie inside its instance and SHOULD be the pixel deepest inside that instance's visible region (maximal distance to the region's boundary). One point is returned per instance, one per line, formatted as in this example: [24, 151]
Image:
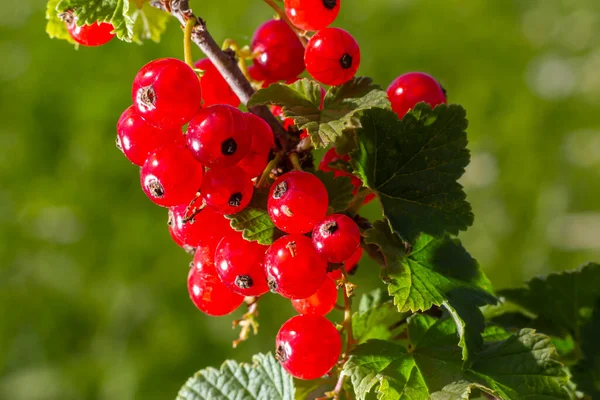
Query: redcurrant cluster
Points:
[210, 171]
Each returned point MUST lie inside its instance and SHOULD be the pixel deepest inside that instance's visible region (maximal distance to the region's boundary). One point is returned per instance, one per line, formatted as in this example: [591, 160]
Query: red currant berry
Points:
[167, 93]
[308, 346]
[215, 89]
[240, 265]
[258, 75]
[312, 15]
[336, 238]
[349, 265]
[414, 87]
[227, 190]
[96, 34]
[332, 56]
[217, 136]
[137, 139]
[294, 268]
[206, 290]
[320, 303]
[193, 233]
[262, 142]
[171, 176]
[279, 51]
[332, 156]
[297, 201]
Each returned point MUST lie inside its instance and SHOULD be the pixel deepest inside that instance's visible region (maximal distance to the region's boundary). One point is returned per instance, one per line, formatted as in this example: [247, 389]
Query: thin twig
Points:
[225, 64]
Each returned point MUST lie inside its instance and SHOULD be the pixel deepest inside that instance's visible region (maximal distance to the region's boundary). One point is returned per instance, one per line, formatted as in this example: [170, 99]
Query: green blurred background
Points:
[93, 300]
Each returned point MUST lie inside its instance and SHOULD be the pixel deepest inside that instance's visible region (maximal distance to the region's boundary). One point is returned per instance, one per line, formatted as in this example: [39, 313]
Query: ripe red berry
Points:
[320, 303]
[349, 265]
[332, 156]
[414, 87]
[194, 233]
[215, 89]
[258, 75]
[137, 139]
[262, 142]
[332, 56]
[308, 346]
[171, 176]
[294, 268]
[240, 265]
[297, 201]
[206, 290]
[217, 136]
[96, 34]
[167, 93]
[312, 15]
[279, 52]
[336, 238]
[227, 190]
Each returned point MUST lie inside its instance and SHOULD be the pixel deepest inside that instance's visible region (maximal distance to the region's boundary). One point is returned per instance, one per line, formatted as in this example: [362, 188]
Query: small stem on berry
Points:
[283, 16]
[267, 171]
[232, 44]
[359, 201]
[187, 41]
[295, 161]
[248, 321]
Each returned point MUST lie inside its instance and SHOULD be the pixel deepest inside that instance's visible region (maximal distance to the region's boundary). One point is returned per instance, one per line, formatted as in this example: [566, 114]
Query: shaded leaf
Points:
[339, 190]
[149, 23]
[56, 27]
[414, 165]
[518, 367]
[436, 272]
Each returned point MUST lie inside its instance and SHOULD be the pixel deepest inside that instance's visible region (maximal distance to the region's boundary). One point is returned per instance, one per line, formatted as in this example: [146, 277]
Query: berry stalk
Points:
[225, 64]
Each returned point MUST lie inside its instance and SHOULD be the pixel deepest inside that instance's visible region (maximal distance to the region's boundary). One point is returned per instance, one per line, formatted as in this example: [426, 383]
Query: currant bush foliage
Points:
[324, 119]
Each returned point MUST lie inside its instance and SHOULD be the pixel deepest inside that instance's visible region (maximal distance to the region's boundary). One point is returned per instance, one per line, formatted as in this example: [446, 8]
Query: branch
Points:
[224, 63]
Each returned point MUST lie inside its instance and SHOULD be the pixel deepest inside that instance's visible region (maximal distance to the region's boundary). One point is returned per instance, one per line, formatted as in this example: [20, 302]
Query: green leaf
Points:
[56, 27]
[339, 190]
[149, 23]
[91, 11]
[254, 221]
[436, 272]
[414, 164]
[564, 299]
[518, 367]
[265, 379]
[301, 101]
[310, 389]
[377, 318]
[586, 373]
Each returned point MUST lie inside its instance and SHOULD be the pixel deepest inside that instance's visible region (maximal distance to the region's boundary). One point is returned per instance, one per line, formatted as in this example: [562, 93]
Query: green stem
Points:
[187, 41]
[267, 171]
[295, 161]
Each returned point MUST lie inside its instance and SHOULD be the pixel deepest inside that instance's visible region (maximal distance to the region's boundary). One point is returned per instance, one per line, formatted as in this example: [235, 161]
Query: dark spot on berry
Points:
[291, 246]
[146, 98]
[229, 147]
[155, 188]
[244, 281]
[189, 249]
[67, 17]
[191, 264]
[281, 354]
[235, 200]
[118, 143]
[329, 228]
[346, 61]
[272, 283]
[330, 4]
[280, 190]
